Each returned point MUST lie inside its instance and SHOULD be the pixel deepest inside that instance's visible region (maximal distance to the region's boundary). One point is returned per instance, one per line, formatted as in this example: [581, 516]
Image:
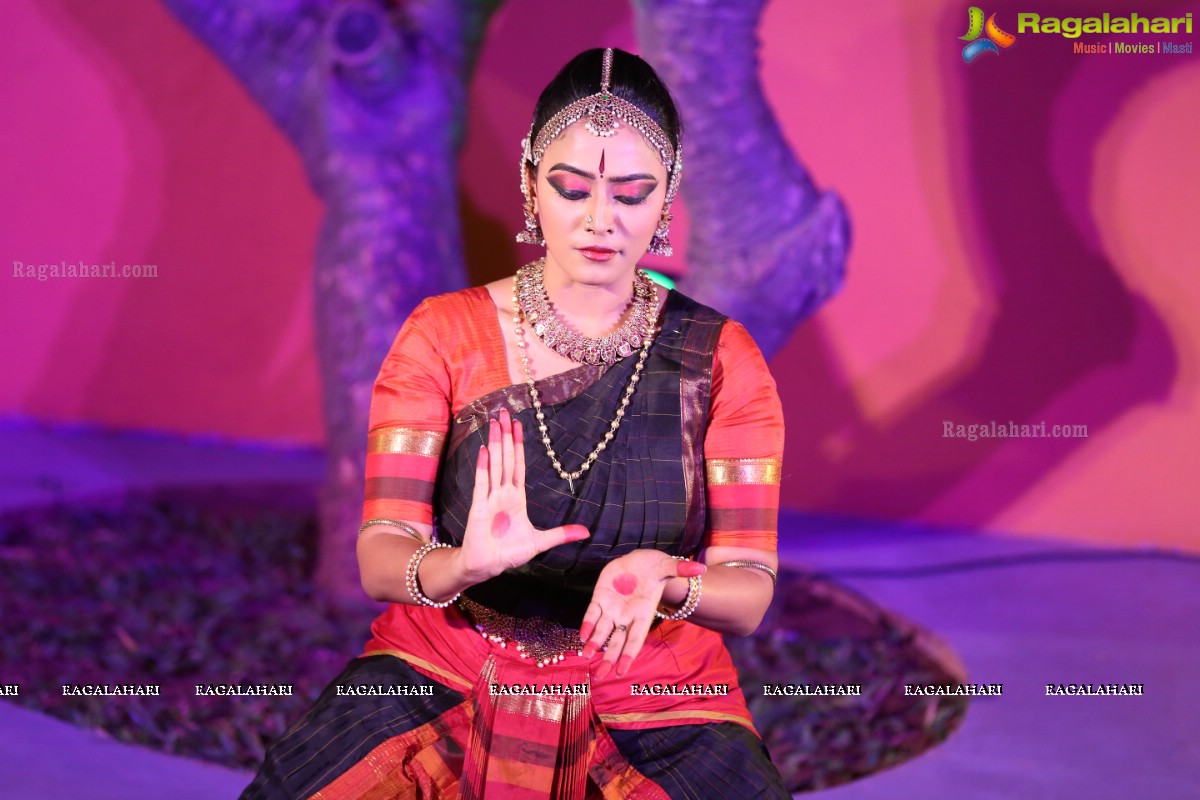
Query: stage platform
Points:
[1021, 612]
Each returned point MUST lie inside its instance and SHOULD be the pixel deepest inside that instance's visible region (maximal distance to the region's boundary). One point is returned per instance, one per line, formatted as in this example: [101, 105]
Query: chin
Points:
[578, 268]
[603, 274]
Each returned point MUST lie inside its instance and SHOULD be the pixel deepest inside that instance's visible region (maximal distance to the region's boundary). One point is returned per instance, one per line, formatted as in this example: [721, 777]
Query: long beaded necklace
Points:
[647, 340]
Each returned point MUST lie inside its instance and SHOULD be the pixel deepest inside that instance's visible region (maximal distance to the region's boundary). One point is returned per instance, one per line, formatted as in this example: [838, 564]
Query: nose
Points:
[601, 212]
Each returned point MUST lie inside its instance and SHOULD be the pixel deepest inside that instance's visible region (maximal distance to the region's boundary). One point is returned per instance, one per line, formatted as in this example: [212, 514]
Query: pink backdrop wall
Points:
[1025, 249]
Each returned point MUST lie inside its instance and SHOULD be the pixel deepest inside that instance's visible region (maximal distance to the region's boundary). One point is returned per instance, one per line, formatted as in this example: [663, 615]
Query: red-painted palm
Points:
[498, 534]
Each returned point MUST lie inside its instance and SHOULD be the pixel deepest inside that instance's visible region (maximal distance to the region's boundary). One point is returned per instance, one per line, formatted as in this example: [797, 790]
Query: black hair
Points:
[632, 79]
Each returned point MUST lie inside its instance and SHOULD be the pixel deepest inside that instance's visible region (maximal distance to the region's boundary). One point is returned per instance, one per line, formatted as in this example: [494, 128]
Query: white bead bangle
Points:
[690, 602]
[410, 576]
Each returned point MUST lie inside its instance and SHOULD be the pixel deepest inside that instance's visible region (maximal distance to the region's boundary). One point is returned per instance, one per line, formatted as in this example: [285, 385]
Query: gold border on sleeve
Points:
[406, 441]
[726, 471]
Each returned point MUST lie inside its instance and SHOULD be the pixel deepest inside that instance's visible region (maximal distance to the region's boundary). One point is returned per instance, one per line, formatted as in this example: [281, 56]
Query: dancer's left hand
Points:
[623, 604]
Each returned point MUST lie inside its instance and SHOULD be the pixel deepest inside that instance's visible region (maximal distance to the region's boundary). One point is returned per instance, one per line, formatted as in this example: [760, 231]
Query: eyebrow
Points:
[641, 176]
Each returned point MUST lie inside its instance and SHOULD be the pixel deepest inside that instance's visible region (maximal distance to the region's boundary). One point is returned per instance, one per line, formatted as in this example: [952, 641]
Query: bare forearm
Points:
[383, 559]
[733, 600]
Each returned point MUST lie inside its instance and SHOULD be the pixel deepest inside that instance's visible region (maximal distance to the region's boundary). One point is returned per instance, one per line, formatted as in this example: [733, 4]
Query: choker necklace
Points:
[529, 289]
[647, 339]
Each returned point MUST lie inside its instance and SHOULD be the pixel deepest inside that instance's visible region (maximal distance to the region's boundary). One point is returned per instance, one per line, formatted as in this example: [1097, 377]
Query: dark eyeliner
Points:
[568, 195]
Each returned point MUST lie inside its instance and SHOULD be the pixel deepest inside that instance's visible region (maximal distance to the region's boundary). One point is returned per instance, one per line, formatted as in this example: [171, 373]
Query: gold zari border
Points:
[726, 471]
[406, 441]
[664, 716]
[417, 661]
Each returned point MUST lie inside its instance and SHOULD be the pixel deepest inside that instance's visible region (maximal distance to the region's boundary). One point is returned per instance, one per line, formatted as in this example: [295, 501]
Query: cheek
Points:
[554, 211]
[645, 219]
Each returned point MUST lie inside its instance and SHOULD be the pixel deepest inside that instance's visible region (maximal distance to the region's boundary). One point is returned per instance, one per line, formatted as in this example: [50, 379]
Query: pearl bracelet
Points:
[410, 576]
[690, 602]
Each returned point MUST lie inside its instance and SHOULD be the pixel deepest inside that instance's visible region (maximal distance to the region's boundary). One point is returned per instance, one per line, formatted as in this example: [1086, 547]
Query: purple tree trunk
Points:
[374, 99]
[766, 246]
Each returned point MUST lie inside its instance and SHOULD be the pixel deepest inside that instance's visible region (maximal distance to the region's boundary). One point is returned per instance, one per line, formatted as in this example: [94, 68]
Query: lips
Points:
[597, 253]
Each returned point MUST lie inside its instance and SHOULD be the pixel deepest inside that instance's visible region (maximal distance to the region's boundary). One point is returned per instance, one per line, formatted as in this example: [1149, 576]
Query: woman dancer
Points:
[572, 492]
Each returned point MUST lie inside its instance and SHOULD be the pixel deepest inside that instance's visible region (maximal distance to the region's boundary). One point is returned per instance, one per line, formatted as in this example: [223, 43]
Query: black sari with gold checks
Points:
[645, 490]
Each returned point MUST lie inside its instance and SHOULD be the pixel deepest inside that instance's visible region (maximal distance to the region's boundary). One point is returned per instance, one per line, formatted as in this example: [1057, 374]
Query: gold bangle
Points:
[395, 523]
[758, 565]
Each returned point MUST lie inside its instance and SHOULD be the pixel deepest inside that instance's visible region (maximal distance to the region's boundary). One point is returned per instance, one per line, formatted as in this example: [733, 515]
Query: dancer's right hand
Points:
[499, 535]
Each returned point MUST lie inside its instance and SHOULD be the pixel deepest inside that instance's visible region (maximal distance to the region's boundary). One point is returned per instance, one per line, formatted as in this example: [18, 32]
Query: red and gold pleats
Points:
[529, 745]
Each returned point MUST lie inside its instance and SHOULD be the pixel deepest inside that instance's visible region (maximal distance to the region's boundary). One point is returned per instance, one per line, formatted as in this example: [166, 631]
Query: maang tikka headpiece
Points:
[604, 112]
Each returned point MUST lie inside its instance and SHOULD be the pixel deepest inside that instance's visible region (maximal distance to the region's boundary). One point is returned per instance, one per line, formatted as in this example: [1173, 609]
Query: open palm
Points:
[499, 535]
[626, 596]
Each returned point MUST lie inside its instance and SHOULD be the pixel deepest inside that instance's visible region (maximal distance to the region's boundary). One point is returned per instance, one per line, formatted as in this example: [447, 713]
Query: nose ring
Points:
[587, 220]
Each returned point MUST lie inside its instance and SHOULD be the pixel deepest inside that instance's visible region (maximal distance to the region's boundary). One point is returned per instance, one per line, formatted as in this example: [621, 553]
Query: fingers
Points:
[519, 445]
[689, 569]
[615, 644]
[620, 639]
[506, 450]
[507, 467]
[590, 618]
[599, 636]
[598, 631]
[624, 643]
[480, 493]
[495, 455]
[634, 639]
[560, 535]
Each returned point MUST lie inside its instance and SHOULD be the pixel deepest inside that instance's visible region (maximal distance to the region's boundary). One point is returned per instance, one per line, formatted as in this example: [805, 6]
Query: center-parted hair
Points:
[633, 80]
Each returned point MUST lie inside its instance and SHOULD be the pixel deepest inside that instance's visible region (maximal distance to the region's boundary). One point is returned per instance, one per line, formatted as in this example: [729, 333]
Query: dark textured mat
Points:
[188, 587]
[824, 638]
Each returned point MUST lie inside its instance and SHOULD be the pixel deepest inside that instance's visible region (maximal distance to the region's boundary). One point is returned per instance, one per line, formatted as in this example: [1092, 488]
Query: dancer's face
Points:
[616, 180]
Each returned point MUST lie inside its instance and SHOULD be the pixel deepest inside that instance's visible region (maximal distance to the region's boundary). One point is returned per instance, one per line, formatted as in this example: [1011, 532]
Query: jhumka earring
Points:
[605, 112]
[533, 231]
[660, 245]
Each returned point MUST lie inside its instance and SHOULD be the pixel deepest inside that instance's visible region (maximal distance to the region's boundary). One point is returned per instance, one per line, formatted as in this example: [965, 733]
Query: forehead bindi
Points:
[624, 153]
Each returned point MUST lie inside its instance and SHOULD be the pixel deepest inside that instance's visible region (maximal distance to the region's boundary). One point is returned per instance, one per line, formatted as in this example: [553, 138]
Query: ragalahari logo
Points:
[996, 38]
